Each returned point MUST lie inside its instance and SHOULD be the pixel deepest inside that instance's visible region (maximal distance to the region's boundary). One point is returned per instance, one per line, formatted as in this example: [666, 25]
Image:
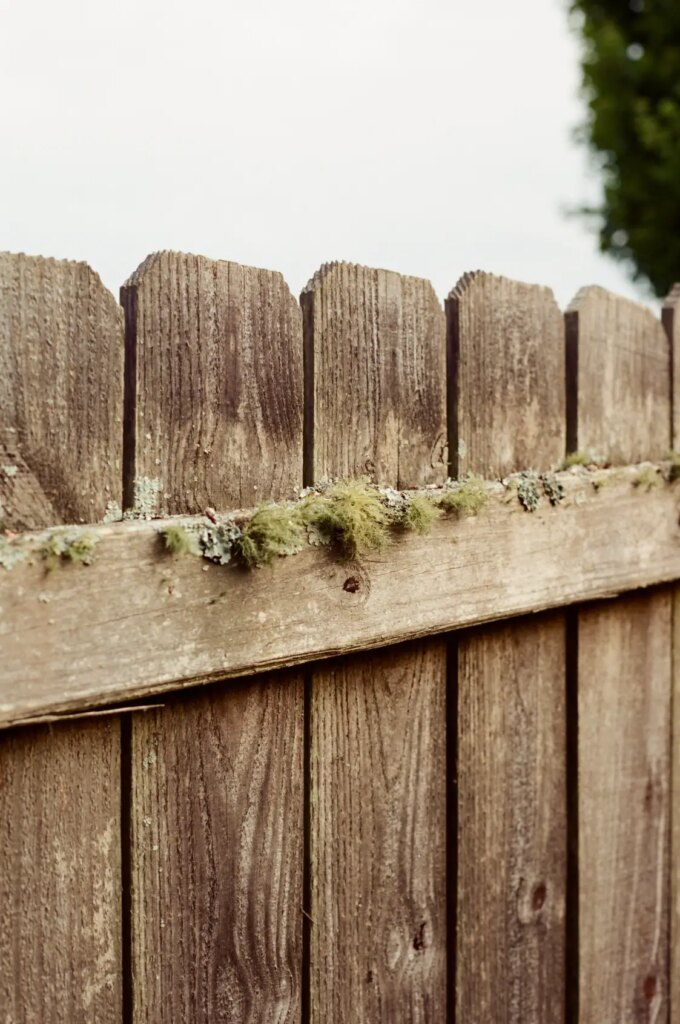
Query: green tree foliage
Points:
[631, 77]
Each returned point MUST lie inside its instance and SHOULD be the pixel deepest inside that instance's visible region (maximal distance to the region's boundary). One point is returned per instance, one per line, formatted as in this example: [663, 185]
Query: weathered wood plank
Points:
[138, 621]
[624, 803]
[619, 376]
[511, 822]
[620, 359]
[215, 410]
[506, 355]
[372, 840]
[214, 389]
[670, 316]
[375, 352]
[61, 381]
[61, 391]
[506, 360]
[217, 820]
[60, 874]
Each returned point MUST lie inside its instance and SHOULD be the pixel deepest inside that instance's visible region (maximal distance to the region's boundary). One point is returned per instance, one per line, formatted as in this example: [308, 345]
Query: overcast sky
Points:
[430, 137]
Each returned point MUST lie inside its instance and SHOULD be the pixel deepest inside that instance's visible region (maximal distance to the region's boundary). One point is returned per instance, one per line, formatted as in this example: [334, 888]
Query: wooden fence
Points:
[447, 793]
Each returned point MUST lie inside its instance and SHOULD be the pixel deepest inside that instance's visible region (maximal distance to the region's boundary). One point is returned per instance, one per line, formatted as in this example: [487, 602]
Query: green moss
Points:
[552, 488]
[68, 547]
[179, 541]
[350, 514]
[674, 467]
[420, 513]
[273, 530]
[527, 491]
[467, 498]
[577, 459]
[648, 477]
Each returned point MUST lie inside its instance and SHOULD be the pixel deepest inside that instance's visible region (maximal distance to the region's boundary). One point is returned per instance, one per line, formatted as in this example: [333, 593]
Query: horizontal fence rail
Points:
[469, 810]
[139, 620]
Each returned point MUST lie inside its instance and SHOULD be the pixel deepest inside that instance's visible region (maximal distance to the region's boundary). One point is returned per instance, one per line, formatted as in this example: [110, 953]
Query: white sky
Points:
[430, 137]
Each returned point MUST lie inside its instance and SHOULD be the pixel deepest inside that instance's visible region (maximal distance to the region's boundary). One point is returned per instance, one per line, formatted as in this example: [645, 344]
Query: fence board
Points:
[216, 402]
[61, 366]
[670, 316]
[375, 356]
[213, 402]
[61, 384]
[620, 365]
[506, 352]
[60, 874]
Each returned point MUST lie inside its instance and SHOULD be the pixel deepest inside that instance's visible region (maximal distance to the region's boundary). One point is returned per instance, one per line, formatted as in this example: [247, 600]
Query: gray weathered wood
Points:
[214, 414]
[624, 804]
[375, 356]
[506, 356]
[670, 316]
[511, 822]
[378, 837]
[214, 388]
[217, 827]
[619, 363]
[61, 390]
[138, 621]
[60, 874]
[61, 381]
[621, 407]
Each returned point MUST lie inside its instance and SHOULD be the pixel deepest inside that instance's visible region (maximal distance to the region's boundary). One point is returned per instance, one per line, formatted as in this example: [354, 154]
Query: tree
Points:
[631, 77]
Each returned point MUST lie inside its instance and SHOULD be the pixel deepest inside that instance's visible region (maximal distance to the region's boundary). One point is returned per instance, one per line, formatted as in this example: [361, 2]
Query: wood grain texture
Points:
[61, 409]
[217, 815]
[214, 384]
[23, 503]
[138, 622]
[624, 701]
[375, 404]
[670, 316]
[378, 838]
[674, 961]
[620, 372]
[511, 823]
[507, 413]
[506, 359]
[217, 895]
[376, 376]
[61, 381]
[60, 874]
[622, 407]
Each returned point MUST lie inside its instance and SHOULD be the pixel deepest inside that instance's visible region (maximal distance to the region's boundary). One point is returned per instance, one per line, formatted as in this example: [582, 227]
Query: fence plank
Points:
[61, 384]
[506, 352]
[375, 353]
[620, 365]
[215, 396]
[61, 381]
[213, 404]
[60, 874]
[670, 316]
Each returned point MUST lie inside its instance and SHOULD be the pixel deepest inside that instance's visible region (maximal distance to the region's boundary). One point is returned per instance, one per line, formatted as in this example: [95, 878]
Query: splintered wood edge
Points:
[139, 622]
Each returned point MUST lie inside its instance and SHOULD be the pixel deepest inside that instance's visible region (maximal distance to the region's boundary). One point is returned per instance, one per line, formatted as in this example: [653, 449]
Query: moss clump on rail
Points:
[352, 515]
[272, 532]
[465, 498]
[68, 546]
[178, 540]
